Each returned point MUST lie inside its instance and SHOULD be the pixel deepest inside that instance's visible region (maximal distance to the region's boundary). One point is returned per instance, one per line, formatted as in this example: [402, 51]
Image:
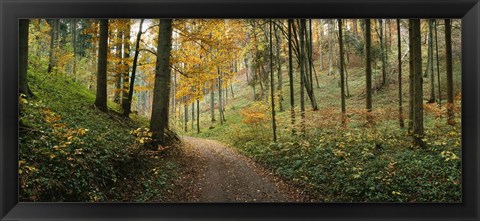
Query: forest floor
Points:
[213, 172]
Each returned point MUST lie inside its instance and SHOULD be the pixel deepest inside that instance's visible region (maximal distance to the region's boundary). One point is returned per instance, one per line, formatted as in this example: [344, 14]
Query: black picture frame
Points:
[12, 10]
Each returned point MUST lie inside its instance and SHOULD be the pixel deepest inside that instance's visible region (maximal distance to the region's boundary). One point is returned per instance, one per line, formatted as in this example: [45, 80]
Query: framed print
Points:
[239, 110]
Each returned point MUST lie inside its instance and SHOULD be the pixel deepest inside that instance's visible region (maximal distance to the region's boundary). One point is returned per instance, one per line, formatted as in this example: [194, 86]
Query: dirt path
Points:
[213, 172]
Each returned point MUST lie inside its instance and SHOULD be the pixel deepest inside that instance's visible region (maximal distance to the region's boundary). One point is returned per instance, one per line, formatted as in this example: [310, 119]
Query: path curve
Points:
[218, 173]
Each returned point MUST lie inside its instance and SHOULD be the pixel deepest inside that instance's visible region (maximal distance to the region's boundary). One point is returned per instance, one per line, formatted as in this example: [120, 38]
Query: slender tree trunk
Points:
[126, 58]
[193, 116]
[254, 77]
[400, 99]
[368, 68]
[418, 131]
[334, 41]
[342, 74]
[320, 34]
[330, 48]
[128, 106]
[54, 24]
[386, 44]
[220, 103]
[382, 43]
[302, 75]
[23, 57]
[265, 66]
[272, 87]
[174, 94]
[101, 96]
[212, 102]
[410, 77]
[347, 89]
[185, 114]
[429, 52]
[310, 57]
[159, 117]
[118, 75]
[94, 51]
[290, 75]
[438, 65]
[448, 55]
[279, 68]
[389, 42]
[198, 116]
[309, 63]
[430, 61]
[73, 26]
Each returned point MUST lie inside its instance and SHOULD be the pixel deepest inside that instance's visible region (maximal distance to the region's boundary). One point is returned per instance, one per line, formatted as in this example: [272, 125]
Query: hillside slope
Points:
[70, 151]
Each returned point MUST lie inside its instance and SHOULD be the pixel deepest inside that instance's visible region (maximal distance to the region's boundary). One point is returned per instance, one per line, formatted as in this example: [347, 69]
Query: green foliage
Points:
[355, 165]
[69, 151]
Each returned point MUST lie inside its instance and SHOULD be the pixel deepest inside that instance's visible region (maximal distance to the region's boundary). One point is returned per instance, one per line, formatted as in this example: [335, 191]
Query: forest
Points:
[240, 110]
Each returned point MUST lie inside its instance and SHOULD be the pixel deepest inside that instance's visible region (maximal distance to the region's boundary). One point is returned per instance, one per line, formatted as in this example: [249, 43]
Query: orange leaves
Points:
[256, 114]
[202, 50]
[433, 108]
[53, 119]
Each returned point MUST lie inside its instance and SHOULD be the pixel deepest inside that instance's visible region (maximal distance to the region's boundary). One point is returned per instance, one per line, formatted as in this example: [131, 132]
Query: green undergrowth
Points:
[361, 165]
[356, 163]
[70, 151]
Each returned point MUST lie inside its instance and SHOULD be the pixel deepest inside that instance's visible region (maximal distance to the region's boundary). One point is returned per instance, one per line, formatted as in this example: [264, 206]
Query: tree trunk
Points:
[125, 73]
[279, 68]
[302, 74]
[290, 74]
[212, 101]
[198, 116]
[73, 26]
[174, 94]
[310, 57]
[101, 96]
[220, 103]
[334, 42]
[438, 65]
[193, 116]
[418, 131]
[430, 61]
[330, 48]
[410, 76]
[386, 44]
[185, 114]
[307, 62]
[449, 65]
[118, 75]
[368, 68]
[342, 73]
[400, 99]
[382, 49]
[320, 39]
[54, 23]
[272, 87]
[264, 65]
[23, 57]
[128, 106]
[159, 117]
